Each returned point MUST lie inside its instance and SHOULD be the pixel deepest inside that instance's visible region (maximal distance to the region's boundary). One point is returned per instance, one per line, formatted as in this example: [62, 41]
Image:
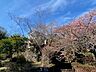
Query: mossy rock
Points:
[2, 56]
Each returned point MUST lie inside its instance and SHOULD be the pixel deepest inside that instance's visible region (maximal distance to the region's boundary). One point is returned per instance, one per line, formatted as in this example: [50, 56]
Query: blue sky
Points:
[60, 10]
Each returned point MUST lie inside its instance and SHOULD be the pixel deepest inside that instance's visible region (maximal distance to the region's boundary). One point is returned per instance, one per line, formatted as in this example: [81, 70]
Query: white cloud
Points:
[64, 19]
[51, 6]
[58, 4]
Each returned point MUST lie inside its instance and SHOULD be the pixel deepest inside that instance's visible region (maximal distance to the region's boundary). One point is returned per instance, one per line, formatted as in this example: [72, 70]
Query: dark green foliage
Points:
[2, 33]
[12, 44]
